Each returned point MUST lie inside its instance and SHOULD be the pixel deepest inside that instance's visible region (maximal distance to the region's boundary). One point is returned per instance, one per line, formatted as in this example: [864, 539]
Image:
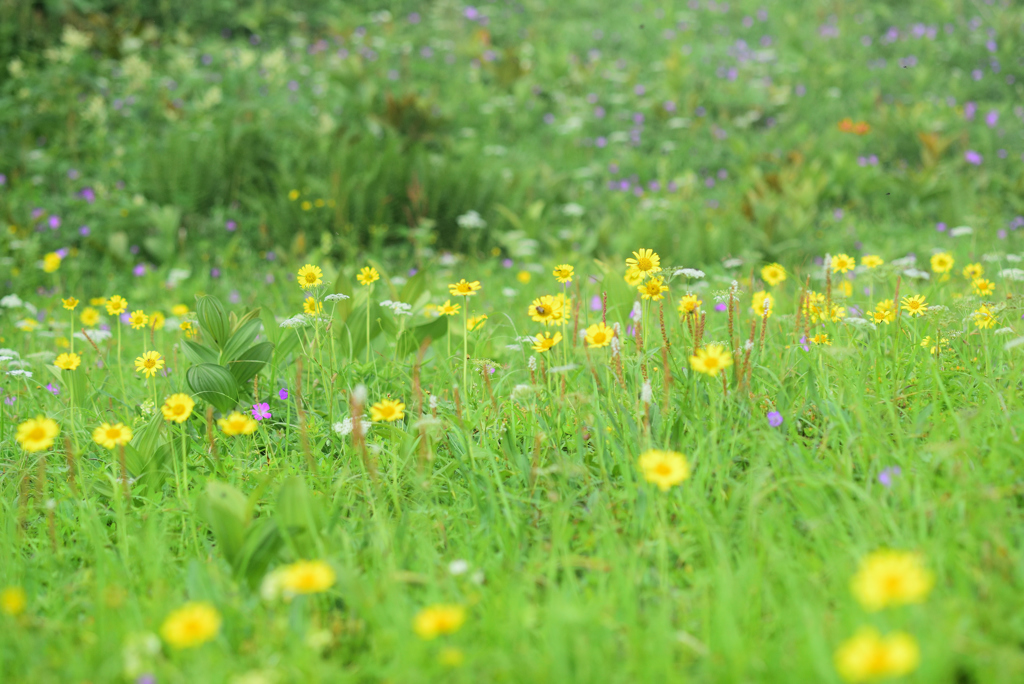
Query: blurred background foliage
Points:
[164, 134]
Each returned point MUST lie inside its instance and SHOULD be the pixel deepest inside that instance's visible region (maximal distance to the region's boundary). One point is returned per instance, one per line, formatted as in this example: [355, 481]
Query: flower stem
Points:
[465, 346]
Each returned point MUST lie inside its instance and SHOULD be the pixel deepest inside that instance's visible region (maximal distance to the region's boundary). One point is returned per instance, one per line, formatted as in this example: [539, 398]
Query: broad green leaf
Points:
[262, 543]
[249, 362]
[410, 340]
[214, 384]
[413, 288]
[240, 340]
[198, 353]
[213, 320]
[224, 509]
[286, 344]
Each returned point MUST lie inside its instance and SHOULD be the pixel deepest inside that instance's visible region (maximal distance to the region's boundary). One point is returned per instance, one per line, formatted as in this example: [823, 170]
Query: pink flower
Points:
[261, 411]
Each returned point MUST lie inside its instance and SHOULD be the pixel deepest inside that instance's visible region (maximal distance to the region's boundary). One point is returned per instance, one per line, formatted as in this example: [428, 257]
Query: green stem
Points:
[368, 293]
[465, 346]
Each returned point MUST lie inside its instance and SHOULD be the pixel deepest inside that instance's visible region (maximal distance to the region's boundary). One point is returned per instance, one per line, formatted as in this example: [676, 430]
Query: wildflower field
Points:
[518, 342]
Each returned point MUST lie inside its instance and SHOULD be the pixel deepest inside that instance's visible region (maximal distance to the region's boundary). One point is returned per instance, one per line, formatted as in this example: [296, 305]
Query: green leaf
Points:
[410, 340]
[241, 339]
[249, 316]
[224, 509]
[262, 544]
[287, 343]
[297, 513]
[413, 288]
[213, 320]
[198, 353]
[147, 438]
[356, 325]
[214, 384]
[270, 326]
[250, 362]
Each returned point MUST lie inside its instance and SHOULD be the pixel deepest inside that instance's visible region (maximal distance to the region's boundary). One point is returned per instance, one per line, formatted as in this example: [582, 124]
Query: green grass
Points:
[516, 493]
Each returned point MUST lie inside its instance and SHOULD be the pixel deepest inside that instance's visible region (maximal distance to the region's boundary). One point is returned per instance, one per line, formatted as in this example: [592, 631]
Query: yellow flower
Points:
[711, 359]
[942, 262]
[309, 276]
[312, 307]
[476, 322]
[845, 288]
[37, 434]
[236, 424]
[871, 261]
[109, 436]
[306, 577]
[306, 205]
[68, 361]
[545, 341]
[973, 271]
[523, 277]
[633, 277]
[438, 619]
[868, 656]
[983, 287]
[915, 305]
[546, 310]
[837, 313]
[387, 410]
[179, 310]
[814, 305]
[448, 309]
[178, 407]
[149, 363]
[773, 274]
[599, 335]
[157, 320]
[886, 317]
[983, 317]
[664, 468]
[645, 261]
[891, 578]
[762, 304]
[841, 263]
[138, 319]
[563, 273]
[97, 301]
[689, 305]
[70, 303]
[193, 624]
[13, 601]
[367, 275]
[653, 289]
[463, 289]
[822, 338]
[293, 195]
[116, 305]
[51, 262]
[89, 316]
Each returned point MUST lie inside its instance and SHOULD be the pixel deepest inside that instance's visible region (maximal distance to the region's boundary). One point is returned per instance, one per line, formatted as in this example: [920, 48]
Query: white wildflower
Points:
[11, 301]
[732, 263]
[18, 372]
[915, 273]
[690, 272]
[992, 256]
[336, 297]
[297, 321]
[471, 220]
[1013, 257]
[96, 336]
[458, 567]
[344, 428]
[573, 209]
[1003, 331]
[646, 395]
[1012, 274]
[562, 369]
[531, 363]
[961, 230]
[432, 402]
[1016, 342]
[616, 346]
[509, 292]
[902, 262]
[359, 394]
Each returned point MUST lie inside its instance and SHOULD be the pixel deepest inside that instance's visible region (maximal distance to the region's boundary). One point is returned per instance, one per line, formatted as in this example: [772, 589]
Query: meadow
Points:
[520, 342]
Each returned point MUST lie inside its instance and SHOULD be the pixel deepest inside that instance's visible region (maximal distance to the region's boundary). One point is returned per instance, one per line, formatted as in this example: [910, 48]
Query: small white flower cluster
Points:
[344, 427]
[1012, 274]
[471, 220]
[917, 274]
[646, 394]
[961, 230]
[689, 272]
[904, 262]
[11, 301]
[398, 308]
[732, 263]
[573, 209]
[337, 296]
[297, 321]
[96, 336]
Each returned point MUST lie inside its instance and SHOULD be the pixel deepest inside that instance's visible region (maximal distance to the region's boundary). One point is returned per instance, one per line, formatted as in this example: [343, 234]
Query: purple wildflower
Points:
[53, 388]
[887, 475]
[973, 157]
[261, 411]
[774, 418]
[9, 400]
[721, 306]
[283, 393]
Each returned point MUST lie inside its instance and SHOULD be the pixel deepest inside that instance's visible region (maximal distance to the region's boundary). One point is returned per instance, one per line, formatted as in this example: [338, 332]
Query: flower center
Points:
[178, 409]
[113, 434]
[542, 310]
[644, 264]
[598, 337]
[710, 362]
[37, 434]
[663, 469]
[149, 363]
